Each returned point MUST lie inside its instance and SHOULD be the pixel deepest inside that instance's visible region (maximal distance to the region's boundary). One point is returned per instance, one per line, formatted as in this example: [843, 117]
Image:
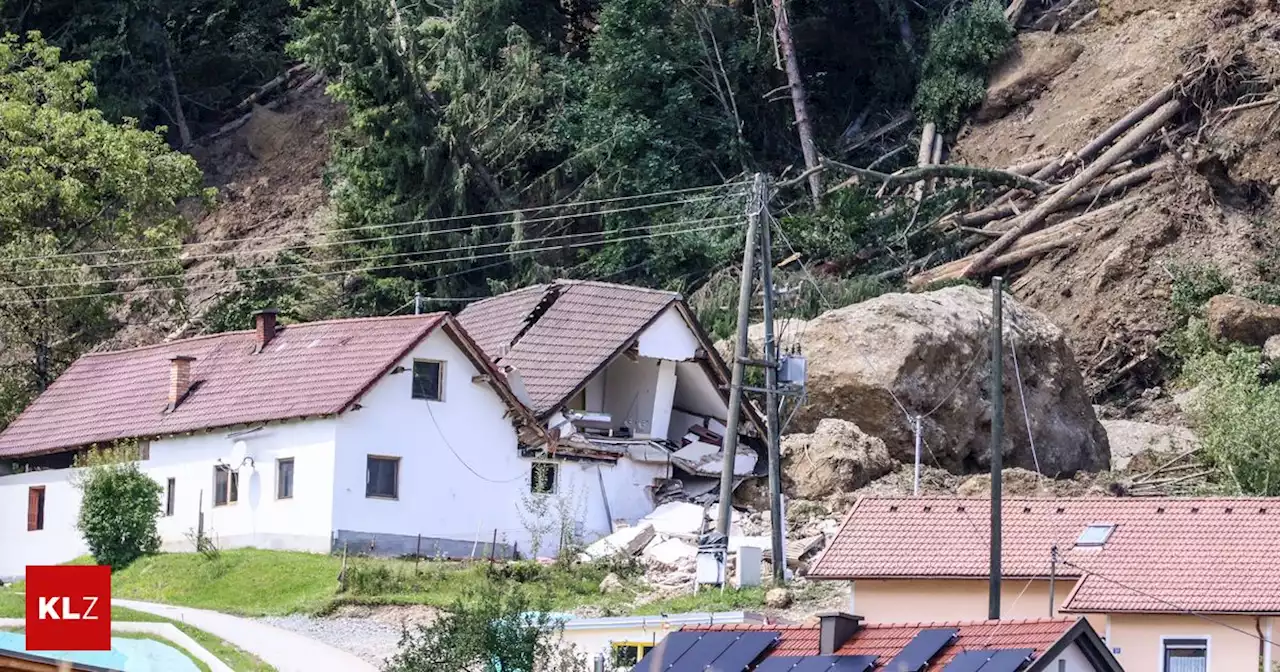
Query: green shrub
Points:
[1235, 413]
[961, 50]
[1193, 286]
[119, 508]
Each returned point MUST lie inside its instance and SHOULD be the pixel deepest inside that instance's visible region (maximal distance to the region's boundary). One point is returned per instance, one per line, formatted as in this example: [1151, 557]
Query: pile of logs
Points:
[1182, 475]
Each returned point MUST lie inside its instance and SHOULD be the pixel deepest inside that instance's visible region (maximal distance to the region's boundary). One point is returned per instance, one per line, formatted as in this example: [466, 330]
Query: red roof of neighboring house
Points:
[1164, 554]
[886, 640]
[558, 335]
[309, 369]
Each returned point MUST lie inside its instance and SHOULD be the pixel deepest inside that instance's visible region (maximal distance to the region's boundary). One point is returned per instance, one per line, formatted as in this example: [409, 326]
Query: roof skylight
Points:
[1095, 535]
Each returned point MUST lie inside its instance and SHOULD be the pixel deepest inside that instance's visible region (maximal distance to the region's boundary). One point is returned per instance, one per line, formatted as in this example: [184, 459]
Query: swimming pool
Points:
[126, 655]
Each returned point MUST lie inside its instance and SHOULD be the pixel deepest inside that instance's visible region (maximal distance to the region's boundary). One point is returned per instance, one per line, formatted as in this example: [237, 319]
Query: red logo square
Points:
[69, 608]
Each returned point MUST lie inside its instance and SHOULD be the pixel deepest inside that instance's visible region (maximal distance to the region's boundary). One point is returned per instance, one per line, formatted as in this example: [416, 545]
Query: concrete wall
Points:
[629, 389]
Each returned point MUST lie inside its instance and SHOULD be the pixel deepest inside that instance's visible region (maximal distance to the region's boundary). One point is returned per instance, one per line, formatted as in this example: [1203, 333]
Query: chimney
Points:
[835, 628]
[264, 323]
[179, 379]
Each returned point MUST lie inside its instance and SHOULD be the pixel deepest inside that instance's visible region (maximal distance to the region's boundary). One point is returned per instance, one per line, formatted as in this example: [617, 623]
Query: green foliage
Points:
[491, 628]
[289, 284]
[1234, 412]
[1193, 286]
[219, 50]
[73, 187]
[961, 50]
[119, 509]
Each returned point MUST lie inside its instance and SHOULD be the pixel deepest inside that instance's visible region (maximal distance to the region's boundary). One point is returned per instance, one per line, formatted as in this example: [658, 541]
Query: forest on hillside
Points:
[486, 144]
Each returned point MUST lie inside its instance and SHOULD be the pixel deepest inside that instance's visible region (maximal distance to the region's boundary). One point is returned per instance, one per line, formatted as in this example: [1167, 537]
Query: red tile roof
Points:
[886, 640]
[1165, 554]
[310, 369]
[584, 328]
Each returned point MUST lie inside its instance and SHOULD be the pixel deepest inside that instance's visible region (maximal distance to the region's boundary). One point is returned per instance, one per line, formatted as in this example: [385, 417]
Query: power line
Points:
[336, 242]
[320, 262]
[1026, 417]
[429, 220]
[431, 262]
[461, 461]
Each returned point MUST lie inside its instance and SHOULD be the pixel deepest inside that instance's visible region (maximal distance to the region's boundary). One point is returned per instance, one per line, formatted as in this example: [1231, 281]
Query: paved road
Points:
[286, 651]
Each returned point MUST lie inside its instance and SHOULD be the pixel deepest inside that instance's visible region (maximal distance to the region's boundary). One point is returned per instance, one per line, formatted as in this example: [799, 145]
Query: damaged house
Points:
[619, 372]
[572, 407]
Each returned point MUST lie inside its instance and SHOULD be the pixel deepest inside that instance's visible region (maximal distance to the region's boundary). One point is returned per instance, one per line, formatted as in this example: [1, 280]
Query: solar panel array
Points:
[817, 664]
[707, 652]
[922, 649]
[1003, 660]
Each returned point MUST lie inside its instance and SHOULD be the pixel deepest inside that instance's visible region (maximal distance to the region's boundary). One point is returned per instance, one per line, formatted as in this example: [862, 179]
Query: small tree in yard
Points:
[119, 507]
[490, 629]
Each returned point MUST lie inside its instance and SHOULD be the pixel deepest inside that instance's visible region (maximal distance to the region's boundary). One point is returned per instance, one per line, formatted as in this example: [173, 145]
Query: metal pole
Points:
[915, 488]
[1053, 579]
[997, 441]
[772, 398]
[730, 447]
[417, 303]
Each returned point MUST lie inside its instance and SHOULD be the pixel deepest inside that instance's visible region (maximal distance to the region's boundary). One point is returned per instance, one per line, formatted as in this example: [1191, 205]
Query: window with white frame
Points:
[1186, 655]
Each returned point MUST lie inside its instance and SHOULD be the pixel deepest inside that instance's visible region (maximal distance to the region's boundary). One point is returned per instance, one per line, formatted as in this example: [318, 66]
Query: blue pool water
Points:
[126, 655]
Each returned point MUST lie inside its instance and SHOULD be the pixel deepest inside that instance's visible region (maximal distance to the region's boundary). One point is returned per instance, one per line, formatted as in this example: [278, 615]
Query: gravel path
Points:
[363, 637]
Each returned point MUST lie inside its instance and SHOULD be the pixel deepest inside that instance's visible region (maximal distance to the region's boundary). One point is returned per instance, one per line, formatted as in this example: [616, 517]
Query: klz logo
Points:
[68, 608]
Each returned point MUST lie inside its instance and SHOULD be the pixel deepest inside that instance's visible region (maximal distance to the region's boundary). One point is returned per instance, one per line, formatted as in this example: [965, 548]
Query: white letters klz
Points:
[49, 609]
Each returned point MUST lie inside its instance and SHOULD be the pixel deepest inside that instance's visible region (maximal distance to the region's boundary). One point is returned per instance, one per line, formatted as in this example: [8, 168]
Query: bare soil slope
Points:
[1111, 291]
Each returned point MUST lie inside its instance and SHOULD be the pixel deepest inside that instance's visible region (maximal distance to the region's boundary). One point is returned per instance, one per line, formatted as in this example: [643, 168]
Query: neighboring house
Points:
[1174, 585]
[624, 640]
[843, 643]
[614, 369]
[388, 435]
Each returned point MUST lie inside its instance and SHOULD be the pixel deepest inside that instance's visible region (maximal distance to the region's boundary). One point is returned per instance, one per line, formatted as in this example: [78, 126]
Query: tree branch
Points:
[917, 174]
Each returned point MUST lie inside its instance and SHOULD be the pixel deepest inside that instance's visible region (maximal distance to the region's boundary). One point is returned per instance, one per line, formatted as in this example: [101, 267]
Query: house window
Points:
[427, 376]
[35, 508]
[382, 477]
[629, 654]
[169, 496]
[543, 477]
[1186, 655]
[226, 485]
[284, 478]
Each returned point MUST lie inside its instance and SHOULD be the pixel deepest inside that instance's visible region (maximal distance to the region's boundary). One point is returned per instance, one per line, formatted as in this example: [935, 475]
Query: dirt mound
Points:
[1110, 291]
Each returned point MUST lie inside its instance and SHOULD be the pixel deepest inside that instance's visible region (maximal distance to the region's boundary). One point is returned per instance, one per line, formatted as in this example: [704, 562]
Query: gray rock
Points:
[610, 584]
[930, 351]
[1271, 349]
[777, 598]
[837, 457]
[1235, 318]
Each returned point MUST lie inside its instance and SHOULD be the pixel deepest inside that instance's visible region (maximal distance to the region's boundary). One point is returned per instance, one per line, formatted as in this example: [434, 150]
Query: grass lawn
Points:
[12, 605]
[253, 582]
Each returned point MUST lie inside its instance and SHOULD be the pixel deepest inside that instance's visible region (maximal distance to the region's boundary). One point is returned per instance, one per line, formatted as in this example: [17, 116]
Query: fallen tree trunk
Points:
[912, 175]
[925, 155]
[1114, 131]
[1037, 216]
[1120, 183]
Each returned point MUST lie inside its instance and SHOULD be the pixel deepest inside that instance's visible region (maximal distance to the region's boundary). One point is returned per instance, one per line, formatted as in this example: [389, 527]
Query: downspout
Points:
[1264, 643]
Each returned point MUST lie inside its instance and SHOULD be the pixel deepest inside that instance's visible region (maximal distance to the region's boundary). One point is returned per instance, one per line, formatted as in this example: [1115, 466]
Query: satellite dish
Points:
[239, 455]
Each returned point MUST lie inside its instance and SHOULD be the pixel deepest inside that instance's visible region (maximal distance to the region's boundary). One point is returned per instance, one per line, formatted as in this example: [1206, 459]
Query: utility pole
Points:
[771, 393]
[730, 445]
[417, 303]
[915, 485]
[997, 441]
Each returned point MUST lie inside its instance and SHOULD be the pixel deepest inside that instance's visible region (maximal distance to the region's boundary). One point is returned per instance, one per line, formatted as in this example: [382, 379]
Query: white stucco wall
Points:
[257, 518]
[58, 541]
[1075, 661]
[461, 476]
[669, 337]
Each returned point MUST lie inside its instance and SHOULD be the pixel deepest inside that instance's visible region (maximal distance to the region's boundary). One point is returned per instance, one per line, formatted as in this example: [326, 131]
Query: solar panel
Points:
[922, 649]
[661, 657]
[853, 663]
[1008, 660]
[744, 651]
[708, 647]
[779, 663]
[968, 661]
[814, 664]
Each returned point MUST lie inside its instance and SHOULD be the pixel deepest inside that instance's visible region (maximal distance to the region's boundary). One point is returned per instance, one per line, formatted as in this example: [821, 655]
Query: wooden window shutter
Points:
[35, 508]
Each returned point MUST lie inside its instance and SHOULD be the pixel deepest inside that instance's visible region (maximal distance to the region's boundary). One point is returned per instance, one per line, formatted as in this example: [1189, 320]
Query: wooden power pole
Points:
[997, 441]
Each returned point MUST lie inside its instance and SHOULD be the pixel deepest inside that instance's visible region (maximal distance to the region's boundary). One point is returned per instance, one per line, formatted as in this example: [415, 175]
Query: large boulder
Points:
[1235, 318]
[837, 457]
[930, 352]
